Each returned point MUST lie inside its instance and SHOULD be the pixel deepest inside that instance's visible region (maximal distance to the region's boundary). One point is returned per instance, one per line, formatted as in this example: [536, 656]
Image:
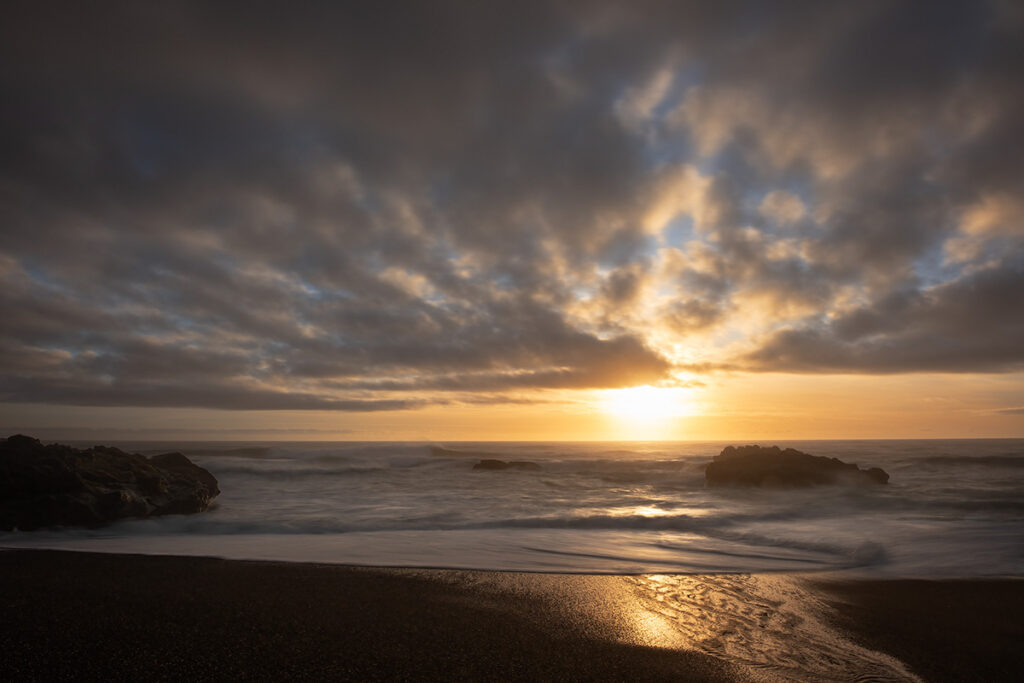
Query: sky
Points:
[459, 220]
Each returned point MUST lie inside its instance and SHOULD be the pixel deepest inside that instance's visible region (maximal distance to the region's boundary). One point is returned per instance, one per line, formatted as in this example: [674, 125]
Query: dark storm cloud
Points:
[972, 324]
[321, 206]
[210, 394]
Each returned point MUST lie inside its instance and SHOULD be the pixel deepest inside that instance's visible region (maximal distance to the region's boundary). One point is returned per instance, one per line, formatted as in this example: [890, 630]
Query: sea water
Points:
[951, 509]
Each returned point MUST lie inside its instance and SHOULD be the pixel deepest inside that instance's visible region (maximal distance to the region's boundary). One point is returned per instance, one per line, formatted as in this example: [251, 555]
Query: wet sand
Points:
[957, 630]
[77, 616]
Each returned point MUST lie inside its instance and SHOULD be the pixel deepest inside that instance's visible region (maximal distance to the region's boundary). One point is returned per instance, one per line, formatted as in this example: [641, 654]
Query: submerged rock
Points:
[490, 464]
[774, 467]
[57, 485]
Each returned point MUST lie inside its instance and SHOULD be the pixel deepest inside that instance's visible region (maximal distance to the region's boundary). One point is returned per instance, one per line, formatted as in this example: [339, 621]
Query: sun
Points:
[647, 403]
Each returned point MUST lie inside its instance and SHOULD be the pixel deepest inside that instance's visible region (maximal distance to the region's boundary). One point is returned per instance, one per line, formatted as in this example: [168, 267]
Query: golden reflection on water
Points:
[654, 628]
[669, 602]
[768, 624]
[648, 511]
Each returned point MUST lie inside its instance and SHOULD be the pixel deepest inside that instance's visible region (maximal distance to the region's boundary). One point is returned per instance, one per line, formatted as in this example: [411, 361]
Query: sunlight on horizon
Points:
[647, 412]
[648, 403]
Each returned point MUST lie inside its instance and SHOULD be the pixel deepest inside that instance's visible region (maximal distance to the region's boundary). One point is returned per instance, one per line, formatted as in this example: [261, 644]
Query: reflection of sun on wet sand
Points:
[771, 624]
[80, 615]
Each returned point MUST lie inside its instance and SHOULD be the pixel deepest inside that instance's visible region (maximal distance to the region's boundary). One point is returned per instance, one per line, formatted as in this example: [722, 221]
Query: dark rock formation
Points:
[490, 464]
[57, 485]
[773, 467]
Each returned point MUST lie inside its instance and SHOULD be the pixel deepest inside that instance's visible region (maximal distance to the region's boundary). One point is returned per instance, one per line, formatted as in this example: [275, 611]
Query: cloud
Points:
[637, 106]
[782, 207]
[694, 314]
[327, 208]
[211, 393]
[1011, 411]
[968, 325]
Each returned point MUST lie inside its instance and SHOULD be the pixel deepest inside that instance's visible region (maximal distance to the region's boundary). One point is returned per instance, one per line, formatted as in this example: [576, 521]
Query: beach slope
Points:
[76, 616]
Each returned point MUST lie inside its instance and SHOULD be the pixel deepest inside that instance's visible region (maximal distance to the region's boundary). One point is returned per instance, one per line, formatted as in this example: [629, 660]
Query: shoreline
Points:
[80, 615]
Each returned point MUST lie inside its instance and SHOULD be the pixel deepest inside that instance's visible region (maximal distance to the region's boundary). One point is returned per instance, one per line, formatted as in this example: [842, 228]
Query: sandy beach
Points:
[956, 630]
[82, 616]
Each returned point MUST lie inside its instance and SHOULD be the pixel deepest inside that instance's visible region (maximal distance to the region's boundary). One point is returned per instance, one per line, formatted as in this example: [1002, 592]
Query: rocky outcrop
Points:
[490, 464]
[55, 485]
[774, 467]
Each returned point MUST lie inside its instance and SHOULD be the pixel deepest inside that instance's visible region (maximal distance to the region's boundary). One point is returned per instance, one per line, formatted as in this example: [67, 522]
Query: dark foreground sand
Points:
[116, 617]
[964, 630]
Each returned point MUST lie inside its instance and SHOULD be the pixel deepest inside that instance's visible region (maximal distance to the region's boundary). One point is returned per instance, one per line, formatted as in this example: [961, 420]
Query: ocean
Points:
[953, 508]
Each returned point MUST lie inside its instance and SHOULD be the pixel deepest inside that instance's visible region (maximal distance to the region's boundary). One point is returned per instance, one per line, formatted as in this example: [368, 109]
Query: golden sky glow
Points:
[800, 407]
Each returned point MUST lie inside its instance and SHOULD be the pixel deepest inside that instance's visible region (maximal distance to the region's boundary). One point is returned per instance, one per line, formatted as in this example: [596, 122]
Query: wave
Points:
[292, 471]
[248, 452]
[631, 541]
[288, 469]
[1000, 505]
[612, 471]
[442, 452]
[717, 527]
[311, 524]
[1000, 460]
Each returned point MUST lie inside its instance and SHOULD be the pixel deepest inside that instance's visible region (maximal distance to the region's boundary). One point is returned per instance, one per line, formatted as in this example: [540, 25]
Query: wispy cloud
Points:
[1011, 411]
